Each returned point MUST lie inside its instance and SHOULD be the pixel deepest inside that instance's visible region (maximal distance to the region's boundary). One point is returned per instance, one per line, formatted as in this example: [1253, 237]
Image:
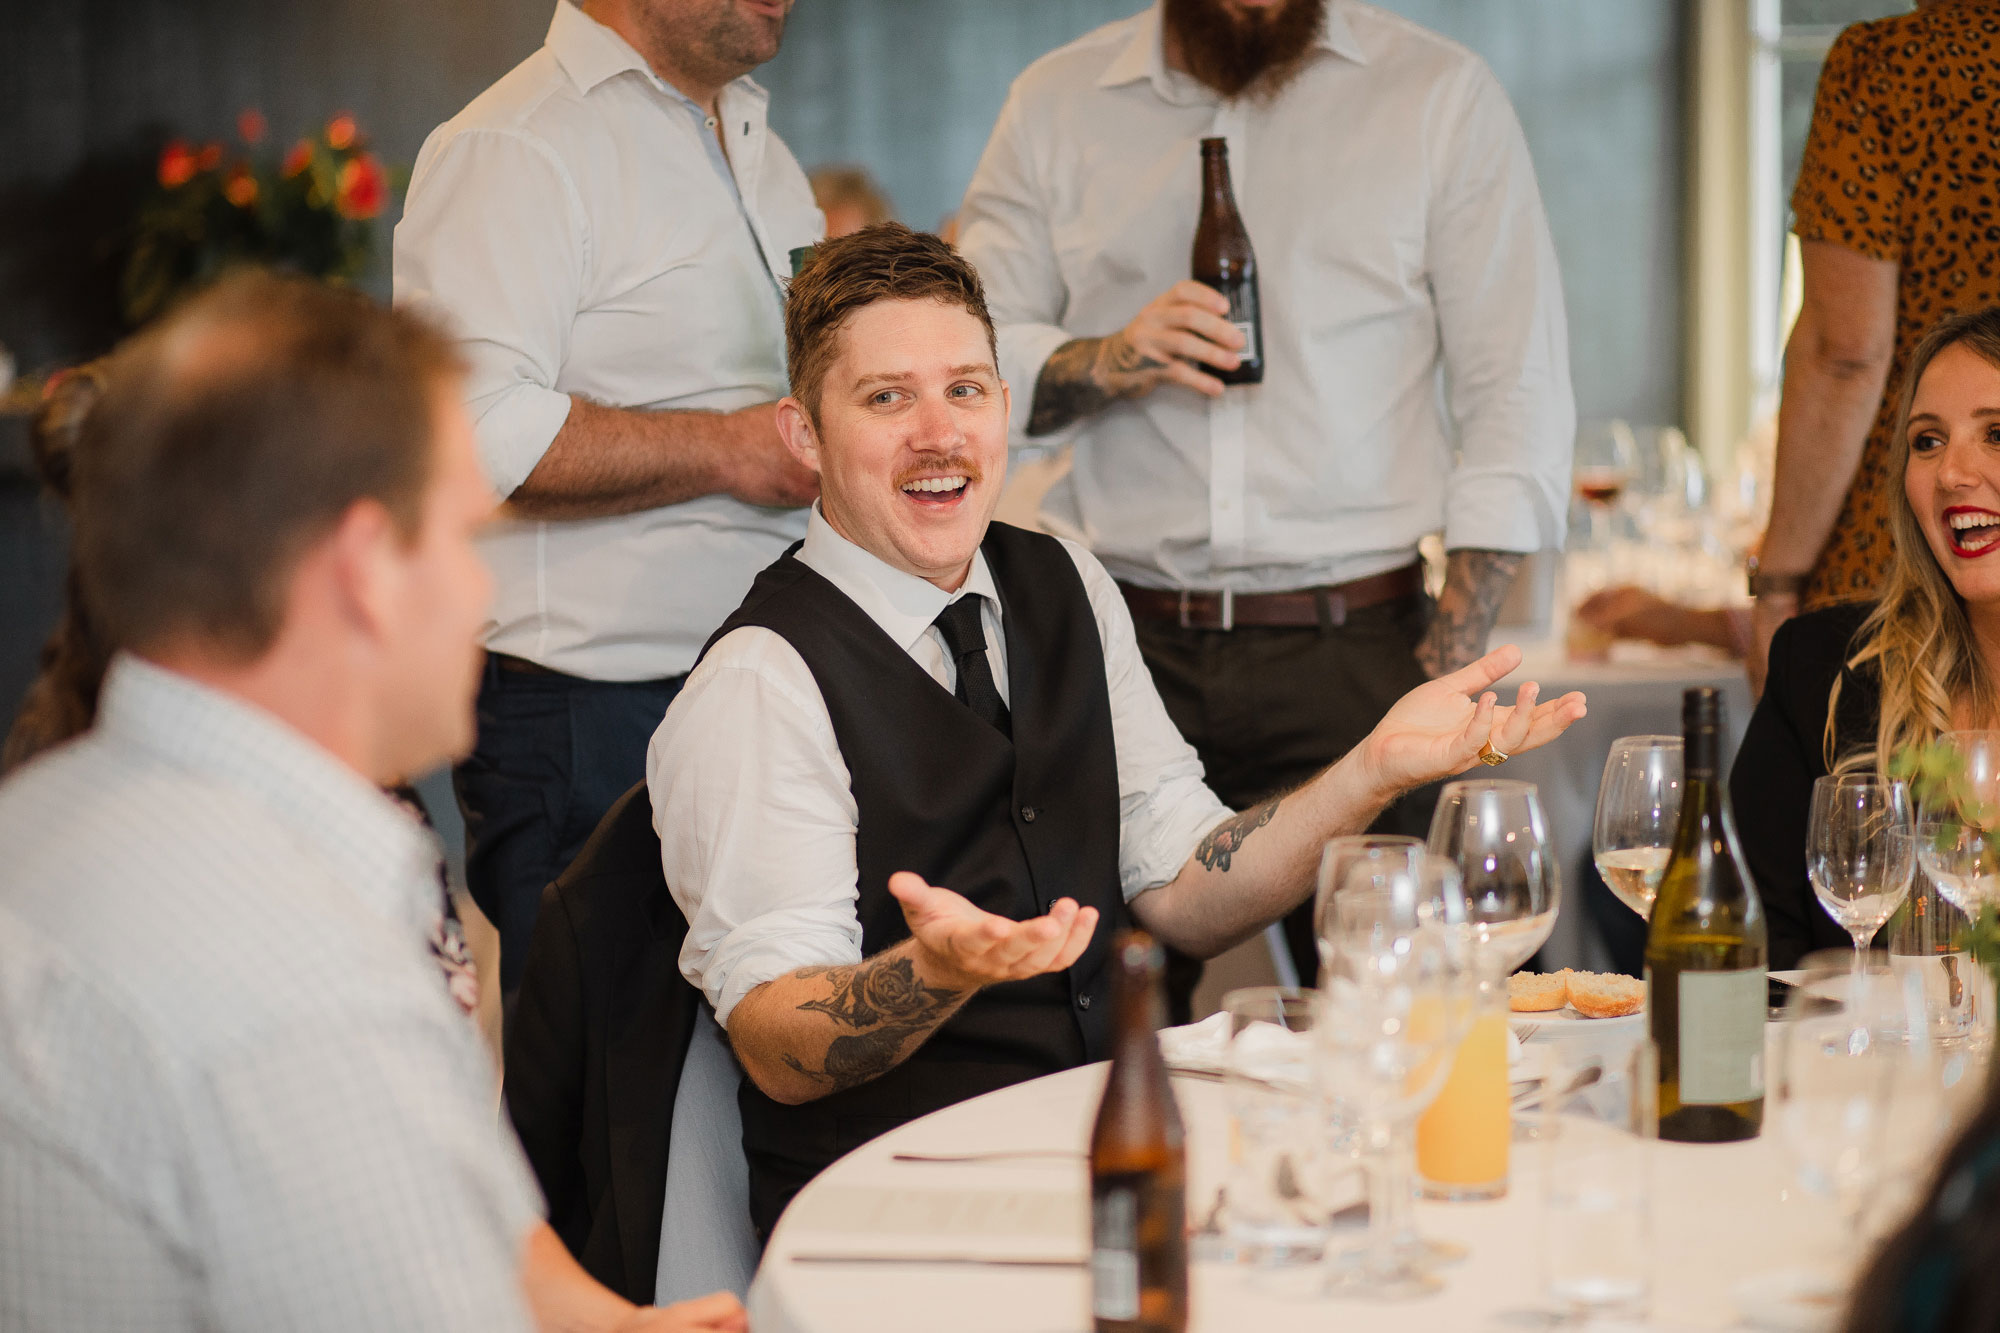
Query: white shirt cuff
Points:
[516, 425]
[1491, 510]
[751, 955]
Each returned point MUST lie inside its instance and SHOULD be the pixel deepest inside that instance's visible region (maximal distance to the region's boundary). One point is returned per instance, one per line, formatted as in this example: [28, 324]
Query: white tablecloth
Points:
[1721, 1216]
[1637, 694]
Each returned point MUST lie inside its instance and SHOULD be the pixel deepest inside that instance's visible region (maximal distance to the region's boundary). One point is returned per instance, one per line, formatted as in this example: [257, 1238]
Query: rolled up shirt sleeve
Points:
[1165, 807]
[1004, 231]
[494, 243]
[1498, 295]
[747, 753]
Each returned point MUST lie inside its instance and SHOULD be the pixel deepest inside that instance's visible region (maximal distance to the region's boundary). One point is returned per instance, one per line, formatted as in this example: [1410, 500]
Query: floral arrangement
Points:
[312, 211]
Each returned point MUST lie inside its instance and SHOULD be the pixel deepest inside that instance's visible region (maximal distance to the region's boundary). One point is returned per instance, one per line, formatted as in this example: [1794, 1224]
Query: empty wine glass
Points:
[1391, 1007]
[1363, 861]
[1638, 808]
[1860, 851]
[1494, 831]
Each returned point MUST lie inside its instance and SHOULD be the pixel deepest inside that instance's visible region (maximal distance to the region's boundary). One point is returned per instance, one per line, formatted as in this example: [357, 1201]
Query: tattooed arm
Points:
[1475, 583]
[820, 1030]
[1252, 868]
[1181, 330]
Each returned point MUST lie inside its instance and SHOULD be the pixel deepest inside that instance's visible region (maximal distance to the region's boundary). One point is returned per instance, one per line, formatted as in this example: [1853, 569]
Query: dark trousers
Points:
[1268, 708]
[553, 753]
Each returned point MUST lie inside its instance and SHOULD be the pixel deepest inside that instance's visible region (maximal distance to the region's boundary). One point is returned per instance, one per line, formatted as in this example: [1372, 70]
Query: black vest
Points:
[1012, 825]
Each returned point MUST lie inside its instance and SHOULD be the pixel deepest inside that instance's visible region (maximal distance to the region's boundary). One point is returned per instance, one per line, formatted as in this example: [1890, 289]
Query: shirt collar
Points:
[376, 848]
[1142, 56]
[902, 604]
[591, 53]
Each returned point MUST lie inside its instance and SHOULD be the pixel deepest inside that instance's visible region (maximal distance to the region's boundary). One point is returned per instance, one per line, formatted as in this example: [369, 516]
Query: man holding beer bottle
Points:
[1364, 186]
[916, 779]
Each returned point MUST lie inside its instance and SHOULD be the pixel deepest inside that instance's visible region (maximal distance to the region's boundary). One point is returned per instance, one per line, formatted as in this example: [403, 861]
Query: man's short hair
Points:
[233, 436]
[886, 262]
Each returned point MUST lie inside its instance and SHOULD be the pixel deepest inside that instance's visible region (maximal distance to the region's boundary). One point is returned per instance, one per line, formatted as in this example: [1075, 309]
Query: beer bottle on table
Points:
[1706, 955]
[1138, 1166]
[1223, 259]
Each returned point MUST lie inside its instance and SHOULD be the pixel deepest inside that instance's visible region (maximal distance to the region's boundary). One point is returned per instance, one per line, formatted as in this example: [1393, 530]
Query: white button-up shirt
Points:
[1416, 369]
[755, 806]
[581, 230]
[234, 1093]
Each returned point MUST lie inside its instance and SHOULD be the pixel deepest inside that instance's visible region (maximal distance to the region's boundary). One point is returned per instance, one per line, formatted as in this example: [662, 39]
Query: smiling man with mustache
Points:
[921, 777]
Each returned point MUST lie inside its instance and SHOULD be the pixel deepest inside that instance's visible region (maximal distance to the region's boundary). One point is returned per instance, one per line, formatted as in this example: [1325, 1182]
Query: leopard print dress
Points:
[1902, 163]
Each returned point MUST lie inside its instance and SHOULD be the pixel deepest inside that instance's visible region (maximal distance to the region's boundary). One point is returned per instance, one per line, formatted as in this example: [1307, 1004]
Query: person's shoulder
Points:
[1826, 635]
[1076, 65]
[524, 98]
[1402, 48]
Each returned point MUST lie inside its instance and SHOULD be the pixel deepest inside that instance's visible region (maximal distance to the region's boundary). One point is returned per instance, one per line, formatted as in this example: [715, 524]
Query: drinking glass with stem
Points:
[1860, 852]
[1958, 822]
[1392, 1007]
[1638, 808]
[1496, 833]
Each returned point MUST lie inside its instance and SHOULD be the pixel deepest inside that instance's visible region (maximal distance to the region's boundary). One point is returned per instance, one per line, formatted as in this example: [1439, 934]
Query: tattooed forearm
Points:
[1227, 838]
[1083, 377]
[1475, 584]
[890, 1007]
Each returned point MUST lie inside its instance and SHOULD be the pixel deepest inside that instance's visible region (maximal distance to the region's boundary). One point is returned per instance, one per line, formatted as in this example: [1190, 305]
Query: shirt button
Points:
[1083, 1001]
[710, 122]
[1028, 813]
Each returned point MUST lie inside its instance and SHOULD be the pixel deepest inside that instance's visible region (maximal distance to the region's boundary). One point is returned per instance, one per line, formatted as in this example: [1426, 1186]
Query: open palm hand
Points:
[1437, 730]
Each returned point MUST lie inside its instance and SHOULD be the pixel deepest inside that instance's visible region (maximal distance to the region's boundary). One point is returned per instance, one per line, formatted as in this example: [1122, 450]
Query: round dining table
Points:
[999, 1242]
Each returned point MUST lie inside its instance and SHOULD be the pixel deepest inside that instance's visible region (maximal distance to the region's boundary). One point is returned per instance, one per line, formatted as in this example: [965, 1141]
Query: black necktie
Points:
[965, 640]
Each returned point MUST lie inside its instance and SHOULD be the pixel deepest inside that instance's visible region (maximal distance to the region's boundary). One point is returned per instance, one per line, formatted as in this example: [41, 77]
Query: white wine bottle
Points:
[1705, 956]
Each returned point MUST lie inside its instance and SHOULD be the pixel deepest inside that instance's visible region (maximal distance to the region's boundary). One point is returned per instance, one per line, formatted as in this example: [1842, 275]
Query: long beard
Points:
[1234, 57]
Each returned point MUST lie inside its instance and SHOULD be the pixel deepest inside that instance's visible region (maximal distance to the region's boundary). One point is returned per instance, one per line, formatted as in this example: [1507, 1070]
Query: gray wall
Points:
[909, 88]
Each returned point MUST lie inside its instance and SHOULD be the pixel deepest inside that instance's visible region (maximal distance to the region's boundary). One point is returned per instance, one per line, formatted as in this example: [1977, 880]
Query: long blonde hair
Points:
[1918, 636]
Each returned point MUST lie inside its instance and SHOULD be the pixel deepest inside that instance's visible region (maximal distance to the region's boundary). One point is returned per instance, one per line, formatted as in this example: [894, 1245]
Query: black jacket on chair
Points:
[595, 1045]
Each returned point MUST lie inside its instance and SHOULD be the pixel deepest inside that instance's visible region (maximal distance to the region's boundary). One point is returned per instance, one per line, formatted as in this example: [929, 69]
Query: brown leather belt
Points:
[1302, 607]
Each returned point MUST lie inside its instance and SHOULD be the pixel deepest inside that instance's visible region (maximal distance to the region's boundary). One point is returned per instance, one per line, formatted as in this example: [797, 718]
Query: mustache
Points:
[953, 466]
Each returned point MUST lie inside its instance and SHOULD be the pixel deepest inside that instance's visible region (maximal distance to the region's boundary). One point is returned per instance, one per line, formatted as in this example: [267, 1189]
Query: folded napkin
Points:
[1204, 1046]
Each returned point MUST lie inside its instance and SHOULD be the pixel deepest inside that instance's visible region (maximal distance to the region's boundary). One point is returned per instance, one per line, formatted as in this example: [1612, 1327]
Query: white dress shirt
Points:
[580, 229]
[755, 806]
[234, 1093]
[1416, 369]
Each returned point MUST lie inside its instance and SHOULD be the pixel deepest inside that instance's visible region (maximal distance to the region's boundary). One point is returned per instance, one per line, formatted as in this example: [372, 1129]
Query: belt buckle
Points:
[1228, 611]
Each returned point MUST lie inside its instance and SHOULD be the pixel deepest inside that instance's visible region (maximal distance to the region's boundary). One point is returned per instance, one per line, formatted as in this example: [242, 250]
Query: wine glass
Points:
[1363, 861]
[1638, 808]
[1958, 844]
[1384, 888]
[1606, 455]
[1384, 1034]
[1860, 851]
[1494, 831]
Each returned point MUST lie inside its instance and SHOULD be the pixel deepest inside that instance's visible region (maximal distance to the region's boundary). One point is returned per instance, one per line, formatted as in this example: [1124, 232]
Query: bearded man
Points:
[1416, 364]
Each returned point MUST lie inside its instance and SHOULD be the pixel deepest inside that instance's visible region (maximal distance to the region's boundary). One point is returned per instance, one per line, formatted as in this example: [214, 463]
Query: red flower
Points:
[298, 159]
[341, 132]
[363, 187]
[211, 157]
[251, 125]
[241, 187]
[177, 164]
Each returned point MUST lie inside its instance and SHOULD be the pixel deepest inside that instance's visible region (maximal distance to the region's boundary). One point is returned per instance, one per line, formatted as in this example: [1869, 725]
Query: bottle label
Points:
[1114, 1253]
[1248, 328]
[1722, 1036]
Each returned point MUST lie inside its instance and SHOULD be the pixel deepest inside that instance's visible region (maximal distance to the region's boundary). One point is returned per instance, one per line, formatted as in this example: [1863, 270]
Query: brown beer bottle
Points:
[1138, 1166]
[1223, 259]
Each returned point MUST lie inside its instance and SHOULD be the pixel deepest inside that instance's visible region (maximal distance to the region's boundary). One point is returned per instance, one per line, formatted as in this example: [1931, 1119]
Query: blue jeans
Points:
[553, 753]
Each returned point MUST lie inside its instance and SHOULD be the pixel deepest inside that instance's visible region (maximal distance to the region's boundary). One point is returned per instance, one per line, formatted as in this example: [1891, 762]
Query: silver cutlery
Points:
[981, 1260]
[999, 1155]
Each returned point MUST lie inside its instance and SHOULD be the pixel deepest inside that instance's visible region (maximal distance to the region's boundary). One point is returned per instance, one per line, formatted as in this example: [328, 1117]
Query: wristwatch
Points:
[1764, 583]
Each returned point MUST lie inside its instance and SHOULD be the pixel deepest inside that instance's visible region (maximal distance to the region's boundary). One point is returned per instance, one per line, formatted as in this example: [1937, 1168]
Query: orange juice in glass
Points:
[1462, 1139]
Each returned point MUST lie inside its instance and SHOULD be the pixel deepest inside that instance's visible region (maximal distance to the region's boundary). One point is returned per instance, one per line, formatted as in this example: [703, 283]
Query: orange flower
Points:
[241, 187]
[211, 157]
[340, 132]
[363, 188]
[298, 159]
[251, 125]
[177, 164]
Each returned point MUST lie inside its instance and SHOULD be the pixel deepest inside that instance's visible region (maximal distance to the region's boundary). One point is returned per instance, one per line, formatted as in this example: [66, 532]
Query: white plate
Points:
[1571, 1022]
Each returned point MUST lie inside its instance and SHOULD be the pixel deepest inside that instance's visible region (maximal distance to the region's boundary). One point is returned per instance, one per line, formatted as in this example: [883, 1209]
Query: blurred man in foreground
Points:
[234, 1092]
